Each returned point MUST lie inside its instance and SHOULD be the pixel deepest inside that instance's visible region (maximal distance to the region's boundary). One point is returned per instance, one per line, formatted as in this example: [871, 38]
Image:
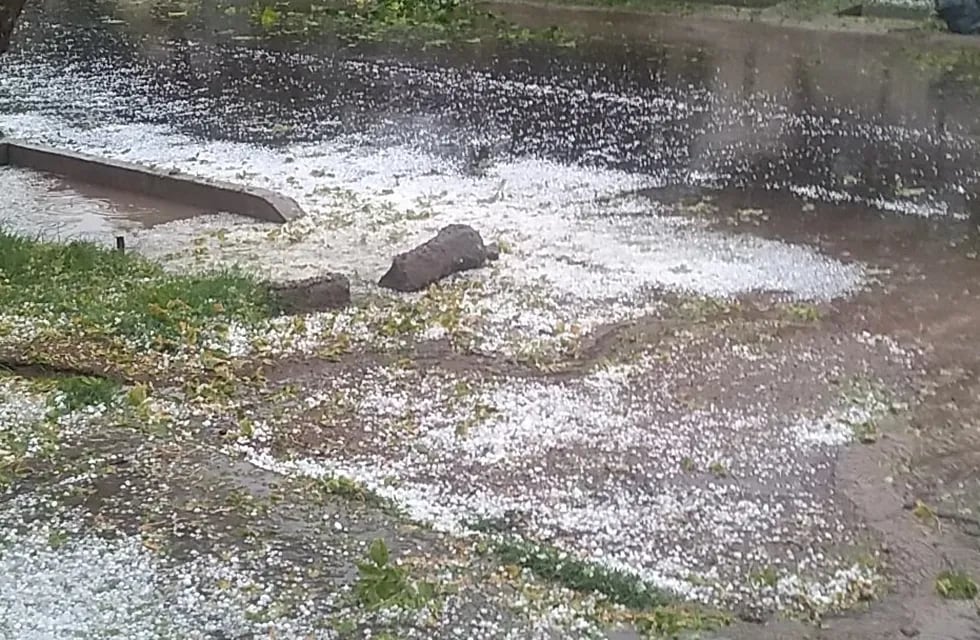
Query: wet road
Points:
[769, 113]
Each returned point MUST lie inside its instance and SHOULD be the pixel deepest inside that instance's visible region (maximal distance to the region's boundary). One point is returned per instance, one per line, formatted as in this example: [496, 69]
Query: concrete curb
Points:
[211, 195]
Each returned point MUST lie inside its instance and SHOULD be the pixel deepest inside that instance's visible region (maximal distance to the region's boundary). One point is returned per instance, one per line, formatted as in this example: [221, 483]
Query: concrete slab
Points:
[211, 195]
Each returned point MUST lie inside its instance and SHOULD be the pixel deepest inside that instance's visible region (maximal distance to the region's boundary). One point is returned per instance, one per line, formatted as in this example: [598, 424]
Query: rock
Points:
[752, 614]
[961, 16]
[457, 247]
[330, 291]
[493, 251]
[909, 631]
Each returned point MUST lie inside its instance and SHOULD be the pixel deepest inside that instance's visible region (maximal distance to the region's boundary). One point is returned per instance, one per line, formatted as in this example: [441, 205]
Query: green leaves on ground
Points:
[381, 584]
[78, 392]
[435, 22]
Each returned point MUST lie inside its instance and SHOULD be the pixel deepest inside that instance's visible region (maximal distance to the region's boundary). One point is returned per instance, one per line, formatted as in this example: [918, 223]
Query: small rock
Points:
[752, 614]
[330, 291]
[493, 251]
[909, 632]
[457, 247]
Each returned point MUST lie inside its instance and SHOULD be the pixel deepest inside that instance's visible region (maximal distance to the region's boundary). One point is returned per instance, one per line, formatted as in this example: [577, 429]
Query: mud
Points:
[928, 297]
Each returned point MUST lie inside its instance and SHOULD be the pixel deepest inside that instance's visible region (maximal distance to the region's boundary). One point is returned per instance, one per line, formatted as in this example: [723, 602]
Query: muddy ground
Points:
[719, 384]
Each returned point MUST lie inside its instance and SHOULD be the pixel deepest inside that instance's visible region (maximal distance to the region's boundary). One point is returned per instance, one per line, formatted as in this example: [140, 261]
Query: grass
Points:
[83, 286]
[925, 514]
[804, 313]
[350, 490]
[956, 585]
[677, 621]
[866, 432]
[561, 568]
[78, 392]
[959, 66]
[718, 469]
[432, 22]
[765, 577]
[652, 611]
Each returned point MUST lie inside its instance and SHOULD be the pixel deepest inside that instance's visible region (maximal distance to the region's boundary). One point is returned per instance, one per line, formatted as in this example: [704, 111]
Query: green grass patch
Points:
[348, 489]
[956, 585]
[561, 568]
[80, 285]
[434, 22]
[679, 621]
[806, 313]
[654, 612]
[78, 392]
[430, 22]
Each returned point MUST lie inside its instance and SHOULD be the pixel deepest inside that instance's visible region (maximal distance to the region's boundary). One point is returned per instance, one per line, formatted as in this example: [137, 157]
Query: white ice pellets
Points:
[613, 466]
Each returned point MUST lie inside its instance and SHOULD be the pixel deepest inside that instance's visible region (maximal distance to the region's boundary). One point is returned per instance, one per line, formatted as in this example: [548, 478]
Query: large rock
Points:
[330, 291]
[961, 16]
[457, 247]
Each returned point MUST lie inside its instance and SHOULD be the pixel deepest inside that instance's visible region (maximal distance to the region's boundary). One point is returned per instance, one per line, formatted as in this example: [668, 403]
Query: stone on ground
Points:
[961, 16]
[330, 291]
[457, 247]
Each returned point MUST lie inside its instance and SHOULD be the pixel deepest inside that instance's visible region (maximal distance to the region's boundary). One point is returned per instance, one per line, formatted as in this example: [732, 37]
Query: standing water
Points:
[42, 205]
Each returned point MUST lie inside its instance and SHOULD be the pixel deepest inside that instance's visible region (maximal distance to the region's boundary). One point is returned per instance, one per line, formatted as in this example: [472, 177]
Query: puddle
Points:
[44, 205]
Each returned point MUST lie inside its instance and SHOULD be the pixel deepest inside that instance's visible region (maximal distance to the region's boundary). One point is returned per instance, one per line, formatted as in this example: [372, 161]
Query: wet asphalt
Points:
[866, 125]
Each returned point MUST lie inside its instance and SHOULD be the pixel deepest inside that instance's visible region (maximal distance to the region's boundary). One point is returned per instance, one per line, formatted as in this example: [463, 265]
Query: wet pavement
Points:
[732, 252]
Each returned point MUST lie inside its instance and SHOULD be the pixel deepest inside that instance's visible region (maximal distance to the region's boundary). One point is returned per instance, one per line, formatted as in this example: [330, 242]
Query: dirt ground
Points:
[925, 456]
